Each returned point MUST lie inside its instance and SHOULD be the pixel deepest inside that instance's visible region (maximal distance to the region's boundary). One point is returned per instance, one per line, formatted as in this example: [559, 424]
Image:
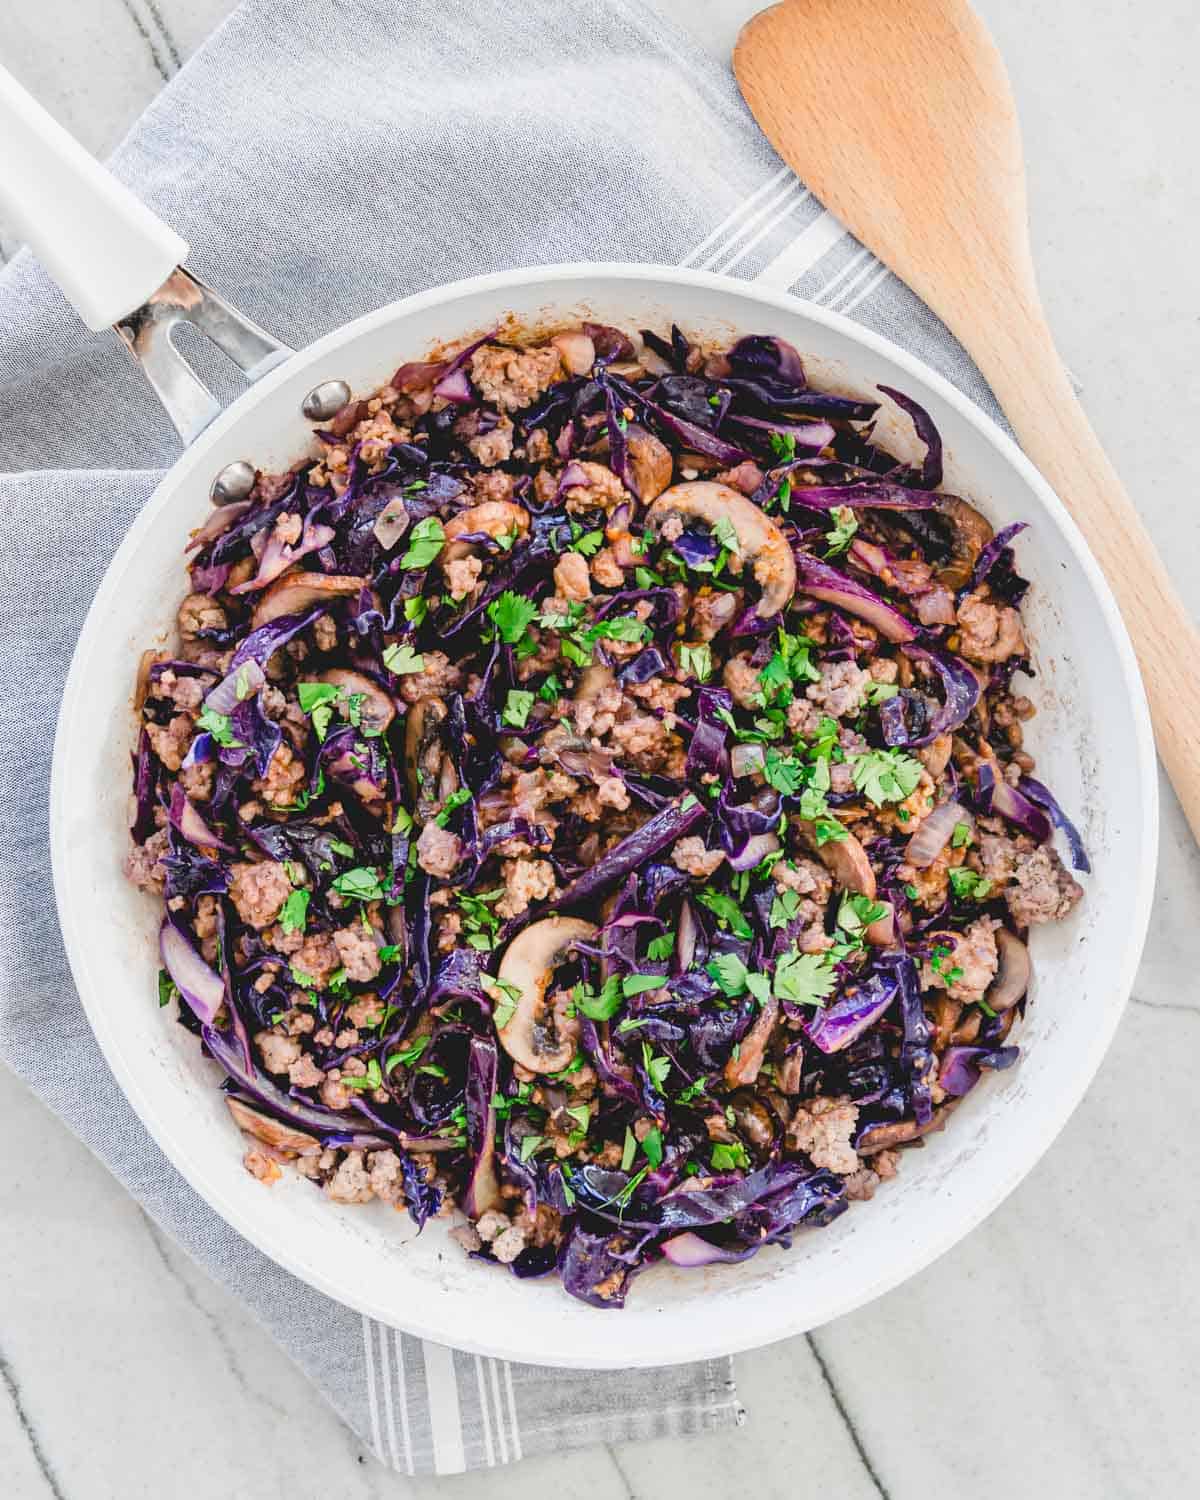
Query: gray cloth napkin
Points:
[323, 157]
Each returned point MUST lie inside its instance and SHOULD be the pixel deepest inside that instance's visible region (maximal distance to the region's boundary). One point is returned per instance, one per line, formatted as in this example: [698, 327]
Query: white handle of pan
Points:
[106, 250]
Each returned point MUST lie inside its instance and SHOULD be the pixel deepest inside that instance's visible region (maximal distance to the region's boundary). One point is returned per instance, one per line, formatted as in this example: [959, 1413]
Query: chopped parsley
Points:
[401, 659]
[638, 984]
[516, 708]
[452, 803]
[726, 910]
[842, 534]
[696, 661]
[660, 948]
[589, 543]
[884, 776]
[416, 609]
[784, 772]
[530, 1144]
[785, 908]
[504, 1002]
[879, 692]
[961, 835]
[652, 1145]
[729, 1156]
[425, 542]
[168, 990]
[601, 1006]
[783, 446]
[967, 885]
[371, 1079]
[656, 1068]
[407, 1055]
[219, 726]
[512, 616]
[804, 978]
[360, 884]
[295, 911]
[479, 923]
[550, 689]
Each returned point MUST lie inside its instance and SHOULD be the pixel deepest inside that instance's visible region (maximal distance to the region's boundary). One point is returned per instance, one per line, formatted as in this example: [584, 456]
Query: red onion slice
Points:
[200, 986]
[935, 833]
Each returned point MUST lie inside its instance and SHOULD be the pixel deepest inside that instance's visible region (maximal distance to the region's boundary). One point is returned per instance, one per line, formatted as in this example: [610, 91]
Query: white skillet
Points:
[1091, 739]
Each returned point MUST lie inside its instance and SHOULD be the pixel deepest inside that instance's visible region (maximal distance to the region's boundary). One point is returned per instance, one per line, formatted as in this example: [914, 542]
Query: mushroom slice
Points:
[531, 1036]
[1013, 973]
[295, 592]
[271, 1132]
[760, 541]
[969, 535]
[377, 709]
[431, 777]
[846, 860]
[496, 518]
[650, 463]
[743, 1069]
[592, 682]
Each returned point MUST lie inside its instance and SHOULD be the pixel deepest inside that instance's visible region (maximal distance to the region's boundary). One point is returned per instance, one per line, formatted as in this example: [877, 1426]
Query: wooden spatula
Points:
[899, 116]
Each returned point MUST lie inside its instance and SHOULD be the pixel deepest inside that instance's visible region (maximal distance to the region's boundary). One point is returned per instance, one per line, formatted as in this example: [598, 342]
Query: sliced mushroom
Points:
[753, 1119]
[846, 860]
[881, 933]
[970, 533]
[880, 1137]
[271, 1132]
[650, 463]
[1013, 972]
[743, 1068]
[495, 518]
[295, 592]
[533, 1035]
[431, 776]
[377, 710]
[760, 541]
[935, 757]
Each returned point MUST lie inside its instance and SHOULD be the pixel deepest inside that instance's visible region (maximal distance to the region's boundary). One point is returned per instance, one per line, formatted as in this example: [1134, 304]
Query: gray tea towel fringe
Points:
[323, 157]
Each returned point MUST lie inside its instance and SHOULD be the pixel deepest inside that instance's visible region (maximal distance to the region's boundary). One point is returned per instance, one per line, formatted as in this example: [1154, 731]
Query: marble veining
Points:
[1056, 1351]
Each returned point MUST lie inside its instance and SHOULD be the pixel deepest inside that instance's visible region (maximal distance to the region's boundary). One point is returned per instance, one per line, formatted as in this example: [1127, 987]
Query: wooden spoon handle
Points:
[1030, 382]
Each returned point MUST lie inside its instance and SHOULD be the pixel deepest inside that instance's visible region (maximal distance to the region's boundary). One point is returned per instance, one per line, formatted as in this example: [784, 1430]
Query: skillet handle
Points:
[115, 261]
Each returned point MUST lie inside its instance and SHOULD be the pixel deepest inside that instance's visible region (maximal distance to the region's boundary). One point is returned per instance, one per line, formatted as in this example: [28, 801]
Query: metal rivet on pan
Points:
[325, 400]
[234, 482]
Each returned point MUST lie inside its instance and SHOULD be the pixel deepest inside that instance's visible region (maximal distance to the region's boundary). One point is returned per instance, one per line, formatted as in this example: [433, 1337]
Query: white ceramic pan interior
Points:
[1093, 747]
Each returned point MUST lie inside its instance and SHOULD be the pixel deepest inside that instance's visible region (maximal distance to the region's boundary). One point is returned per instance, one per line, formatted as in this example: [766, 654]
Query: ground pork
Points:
[571, 577]
[438, 851]
[596, 802]
[1043, 890]
[437, 677]
[143, 863]
[861, 1185]
[606, 570]
[462, 574]
[496, 485]
[200, 612]
[841, 691]
[365, 1012]
[385, 1175]
[998, 855]
[804, 718]
[512, 378]
[601, 490]
[285, 778]
[692, 857]
[746, 476]
[351, 1182]
[525, 881]
[304, 1073]
[277, 1052]
[740, 676]
[259, 891]
[493, 447]
[534, 790]
[170, 742]
[317, 959]
[186, 693]
[645, 743]
[597, 714]
[822, 1129]
[358, 952]
[710, 613]
[659, 694]
[988, 632]
[974, 952]
[260, 1163]
[804, 876]
[197, 781]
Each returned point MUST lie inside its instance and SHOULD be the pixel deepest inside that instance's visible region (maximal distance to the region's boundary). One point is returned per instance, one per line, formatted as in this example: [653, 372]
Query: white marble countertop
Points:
[1056, 1351]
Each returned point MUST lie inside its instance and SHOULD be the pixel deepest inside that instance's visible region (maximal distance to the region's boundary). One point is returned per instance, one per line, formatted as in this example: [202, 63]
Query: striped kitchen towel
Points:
[323, 157]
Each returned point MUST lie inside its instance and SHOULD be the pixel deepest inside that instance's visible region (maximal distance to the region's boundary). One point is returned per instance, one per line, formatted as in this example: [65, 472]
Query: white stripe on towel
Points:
[372, 1392]
[402, 1391]
[445, 1415]
[804, 252]
[774, 211]
[731, 220]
